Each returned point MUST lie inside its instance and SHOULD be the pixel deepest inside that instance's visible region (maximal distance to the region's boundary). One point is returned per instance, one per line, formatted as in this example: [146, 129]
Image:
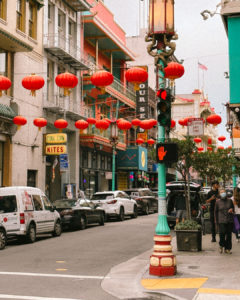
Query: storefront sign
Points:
[56, 149]
[142, 100]
[56, 138]
[143, 135]
[134, 158]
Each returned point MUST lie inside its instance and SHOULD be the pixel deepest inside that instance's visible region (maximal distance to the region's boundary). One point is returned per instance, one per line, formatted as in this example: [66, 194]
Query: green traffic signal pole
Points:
[162, 227]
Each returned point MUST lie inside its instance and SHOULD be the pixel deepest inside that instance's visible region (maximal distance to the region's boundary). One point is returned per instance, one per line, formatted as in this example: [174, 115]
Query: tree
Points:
[186, 149]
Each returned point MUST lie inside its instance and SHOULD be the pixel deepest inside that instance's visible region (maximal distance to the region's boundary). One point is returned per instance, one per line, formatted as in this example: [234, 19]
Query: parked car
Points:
[146, 200]
[3, 235]
[116, 204]
[78, 213]
[173, 189]
[26, 212]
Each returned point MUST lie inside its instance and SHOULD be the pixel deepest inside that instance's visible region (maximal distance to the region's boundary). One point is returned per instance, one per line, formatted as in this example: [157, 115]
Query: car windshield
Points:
[65, 203]
[102, 196]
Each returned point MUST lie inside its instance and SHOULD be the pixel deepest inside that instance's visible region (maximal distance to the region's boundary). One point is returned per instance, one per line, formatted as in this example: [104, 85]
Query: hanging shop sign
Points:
[142, 100]
[134, 158]
[56, 149]
[56, 138]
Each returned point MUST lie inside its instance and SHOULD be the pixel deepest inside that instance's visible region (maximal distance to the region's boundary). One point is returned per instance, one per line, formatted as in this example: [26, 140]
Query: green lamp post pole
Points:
[161, 32]
[114, 141]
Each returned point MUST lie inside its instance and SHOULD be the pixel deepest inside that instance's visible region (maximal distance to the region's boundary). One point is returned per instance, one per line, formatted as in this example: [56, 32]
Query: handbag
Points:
[236, 225]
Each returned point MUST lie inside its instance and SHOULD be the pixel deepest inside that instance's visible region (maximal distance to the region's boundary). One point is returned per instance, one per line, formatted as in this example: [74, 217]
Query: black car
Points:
[174, 188]
[78, 213]
[146, 200]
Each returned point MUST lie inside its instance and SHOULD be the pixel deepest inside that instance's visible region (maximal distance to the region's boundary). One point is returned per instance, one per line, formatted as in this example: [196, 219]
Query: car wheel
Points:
[121, 214]
[146, 211]
[31, 235]
[102, 218]
[82, 223]
[57, 229]
[3, 239]
[135, 212]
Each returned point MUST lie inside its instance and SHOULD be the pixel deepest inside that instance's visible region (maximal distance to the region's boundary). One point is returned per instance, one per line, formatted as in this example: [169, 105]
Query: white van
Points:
[26, 211]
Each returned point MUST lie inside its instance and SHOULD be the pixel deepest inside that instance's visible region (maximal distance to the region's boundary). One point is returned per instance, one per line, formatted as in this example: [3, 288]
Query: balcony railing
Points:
[67, 50]
[117, 85]
[92, 130]
[60, 104]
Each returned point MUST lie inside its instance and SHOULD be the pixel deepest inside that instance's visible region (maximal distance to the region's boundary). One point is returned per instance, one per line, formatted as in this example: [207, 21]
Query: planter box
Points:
[207, 226]
[189, 240]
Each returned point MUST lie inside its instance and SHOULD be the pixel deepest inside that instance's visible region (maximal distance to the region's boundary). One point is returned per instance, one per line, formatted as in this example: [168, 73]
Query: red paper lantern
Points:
[220, 147]
[60, 124]
[222, 138]
[181, 122]
[139, 141]
[214, 119]
[173, 71]
[19, 121]
[185, 121]
[5, 84]
[209, 141]
[102, 125]
[151, 142]
[102, 79]
[230, 147]
[197, 140]
[40, 122]
[173, 123]
[33, 82]
[153, 121]
[66, 81]
[81, 125]
[108, 120]
[91, 121]
[209, 148]
[146, 124]
[136, 122]
[136, 76]
[124, 125]
[200, 149]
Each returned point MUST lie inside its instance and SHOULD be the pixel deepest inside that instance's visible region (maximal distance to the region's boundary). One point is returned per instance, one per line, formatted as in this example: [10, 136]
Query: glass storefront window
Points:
[3, 65]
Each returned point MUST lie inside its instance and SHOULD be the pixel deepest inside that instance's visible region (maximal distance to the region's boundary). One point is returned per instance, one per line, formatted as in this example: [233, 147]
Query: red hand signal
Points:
[161, 153]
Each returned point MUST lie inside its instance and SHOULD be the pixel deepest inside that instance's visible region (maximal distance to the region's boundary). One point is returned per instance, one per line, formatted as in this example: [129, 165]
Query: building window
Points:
[70, 28]
[49, 11]
[31, 177]
[3, 9]
[6, 66]
[32, 23]
[21, 15]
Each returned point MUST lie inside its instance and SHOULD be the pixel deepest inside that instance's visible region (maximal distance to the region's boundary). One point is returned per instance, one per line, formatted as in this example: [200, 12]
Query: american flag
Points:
[201, 66]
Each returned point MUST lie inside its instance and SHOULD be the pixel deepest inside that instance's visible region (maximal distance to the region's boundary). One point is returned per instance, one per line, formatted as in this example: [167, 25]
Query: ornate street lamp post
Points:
[113, 141]
[161, 32]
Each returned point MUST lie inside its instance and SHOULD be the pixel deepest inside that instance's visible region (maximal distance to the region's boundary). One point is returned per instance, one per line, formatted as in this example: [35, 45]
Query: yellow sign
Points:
[56, 149]
[143, 136]
[56, 138]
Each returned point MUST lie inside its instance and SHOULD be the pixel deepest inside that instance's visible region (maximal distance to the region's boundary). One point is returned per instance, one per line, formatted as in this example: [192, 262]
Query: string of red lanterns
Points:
[40, 123]
[136, 76]
[102, 79]
[33, 82]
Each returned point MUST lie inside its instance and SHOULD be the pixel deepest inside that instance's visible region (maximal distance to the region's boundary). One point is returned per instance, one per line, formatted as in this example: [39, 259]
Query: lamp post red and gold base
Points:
[162, 261]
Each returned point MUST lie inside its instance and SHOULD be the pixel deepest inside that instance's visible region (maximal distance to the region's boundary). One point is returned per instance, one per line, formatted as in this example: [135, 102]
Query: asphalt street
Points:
[74, 265]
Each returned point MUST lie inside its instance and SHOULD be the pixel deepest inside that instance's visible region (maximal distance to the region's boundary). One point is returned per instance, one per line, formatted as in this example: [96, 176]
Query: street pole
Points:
[114, 143]
[234, 177]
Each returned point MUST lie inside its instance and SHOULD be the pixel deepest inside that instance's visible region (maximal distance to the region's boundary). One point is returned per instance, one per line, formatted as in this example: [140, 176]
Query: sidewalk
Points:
[203, 275]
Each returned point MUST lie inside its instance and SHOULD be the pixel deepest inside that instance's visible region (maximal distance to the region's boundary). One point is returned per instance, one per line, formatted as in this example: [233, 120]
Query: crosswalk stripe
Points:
[53, 275]
[20, 297]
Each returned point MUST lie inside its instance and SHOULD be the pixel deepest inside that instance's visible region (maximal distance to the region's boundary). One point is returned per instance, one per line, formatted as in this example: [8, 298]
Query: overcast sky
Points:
[199, 40]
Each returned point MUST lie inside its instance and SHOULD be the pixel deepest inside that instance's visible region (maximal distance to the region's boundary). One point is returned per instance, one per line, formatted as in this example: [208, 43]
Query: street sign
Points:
[167, 152]
[195, 126]
[63, 162]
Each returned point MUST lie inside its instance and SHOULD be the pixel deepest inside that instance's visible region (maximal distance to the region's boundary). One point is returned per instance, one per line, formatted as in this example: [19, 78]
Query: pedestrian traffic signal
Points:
[166, 153]
[164, 107]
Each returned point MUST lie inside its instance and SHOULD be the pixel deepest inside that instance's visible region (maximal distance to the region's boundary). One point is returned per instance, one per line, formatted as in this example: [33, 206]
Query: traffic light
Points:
[164, 107]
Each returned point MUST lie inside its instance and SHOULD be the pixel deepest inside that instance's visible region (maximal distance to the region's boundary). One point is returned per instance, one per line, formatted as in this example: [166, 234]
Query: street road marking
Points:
[60, 261]
[53, 275]
[177, 283]
[2, 296]
[218, 291]
[61, 269]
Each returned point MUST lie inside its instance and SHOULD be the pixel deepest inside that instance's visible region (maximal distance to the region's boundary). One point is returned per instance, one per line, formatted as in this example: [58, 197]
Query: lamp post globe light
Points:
[161, 32]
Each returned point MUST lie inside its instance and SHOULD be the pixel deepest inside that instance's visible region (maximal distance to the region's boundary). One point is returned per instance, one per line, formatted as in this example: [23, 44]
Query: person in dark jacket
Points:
[224, 210]
[211, 199]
